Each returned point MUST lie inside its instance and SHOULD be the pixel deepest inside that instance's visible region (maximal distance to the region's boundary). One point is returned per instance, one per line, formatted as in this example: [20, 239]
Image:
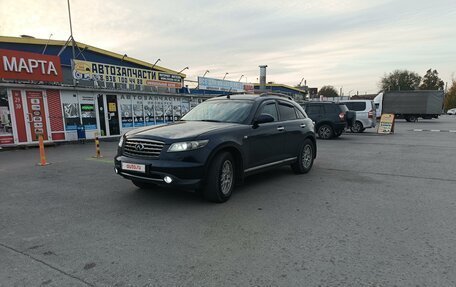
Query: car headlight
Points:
[185, 146]
[121, 141]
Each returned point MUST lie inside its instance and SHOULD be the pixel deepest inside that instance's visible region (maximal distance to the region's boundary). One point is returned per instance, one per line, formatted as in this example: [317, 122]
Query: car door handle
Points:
[303, 125]
[280, 129]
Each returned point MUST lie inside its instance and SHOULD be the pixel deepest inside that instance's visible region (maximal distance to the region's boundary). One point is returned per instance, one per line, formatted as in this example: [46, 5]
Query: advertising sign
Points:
[386, 125]
[36, 114]
[17, 65]
[85, 70]
[220, 85]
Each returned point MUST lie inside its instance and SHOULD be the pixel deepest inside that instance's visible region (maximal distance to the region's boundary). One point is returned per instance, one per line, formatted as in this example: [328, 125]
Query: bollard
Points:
[42, 154]
[97, 147]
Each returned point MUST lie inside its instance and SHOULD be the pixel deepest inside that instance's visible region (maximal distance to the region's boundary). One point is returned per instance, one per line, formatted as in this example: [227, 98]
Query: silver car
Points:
[365, 114]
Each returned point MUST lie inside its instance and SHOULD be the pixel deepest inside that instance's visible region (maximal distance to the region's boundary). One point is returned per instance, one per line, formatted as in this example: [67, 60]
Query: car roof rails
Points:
[276, 94]
[231, 94]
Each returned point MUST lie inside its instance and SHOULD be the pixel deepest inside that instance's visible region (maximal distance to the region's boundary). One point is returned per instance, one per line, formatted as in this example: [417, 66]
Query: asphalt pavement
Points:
[376, 210]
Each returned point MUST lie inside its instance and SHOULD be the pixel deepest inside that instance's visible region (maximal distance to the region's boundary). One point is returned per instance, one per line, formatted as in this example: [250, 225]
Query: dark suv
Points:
[218, 143]
[331, 119]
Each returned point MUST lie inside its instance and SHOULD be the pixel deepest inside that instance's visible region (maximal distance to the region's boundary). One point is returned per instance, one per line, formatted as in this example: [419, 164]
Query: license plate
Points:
[134, 167]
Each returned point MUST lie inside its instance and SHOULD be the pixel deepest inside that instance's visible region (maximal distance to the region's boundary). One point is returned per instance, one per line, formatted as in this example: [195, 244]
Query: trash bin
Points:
[81, 132]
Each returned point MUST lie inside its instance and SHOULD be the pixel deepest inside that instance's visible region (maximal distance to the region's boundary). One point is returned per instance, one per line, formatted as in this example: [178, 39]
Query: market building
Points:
[46, 88]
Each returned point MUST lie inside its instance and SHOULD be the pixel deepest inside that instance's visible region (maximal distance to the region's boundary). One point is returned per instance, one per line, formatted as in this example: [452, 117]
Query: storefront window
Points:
[126, 111]
[71, 113]
[149, 112]
[159, 115]
[168, 109]
[6, 129]
[89, 118]
[138, 113]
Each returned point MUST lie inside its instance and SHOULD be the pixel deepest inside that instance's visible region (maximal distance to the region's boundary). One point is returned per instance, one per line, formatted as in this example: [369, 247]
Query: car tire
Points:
[325, 132]
[305, 159]
[411, 119]
[142, 184]
[220, 178]
[357, 127]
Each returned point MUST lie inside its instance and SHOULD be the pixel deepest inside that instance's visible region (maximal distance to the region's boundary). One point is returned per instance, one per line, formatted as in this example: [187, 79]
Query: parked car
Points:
[218, 143]
[365, 114]
[331, 119]
[451, 111]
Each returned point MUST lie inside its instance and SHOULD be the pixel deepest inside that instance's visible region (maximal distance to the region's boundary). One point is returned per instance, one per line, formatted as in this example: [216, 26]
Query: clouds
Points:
[349, 43]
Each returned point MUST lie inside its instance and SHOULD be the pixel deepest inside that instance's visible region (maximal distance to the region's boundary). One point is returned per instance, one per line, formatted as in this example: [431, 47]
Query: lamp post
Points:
[225, 75]
[186, 68]
[207, 71]
[158, 60]
[240, 78]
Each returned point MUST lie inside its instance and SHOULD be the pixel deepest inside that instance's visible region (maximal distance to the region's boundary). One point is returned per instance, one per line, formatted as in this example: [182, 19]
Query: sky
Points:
[349, 44]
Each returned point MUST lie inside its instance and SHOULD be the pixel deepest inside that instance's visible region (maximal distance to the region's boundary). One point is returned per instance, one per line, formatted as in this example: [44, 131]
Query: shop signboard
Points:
[386, 125]
[94, 71]
[18, 65]
[220, 85]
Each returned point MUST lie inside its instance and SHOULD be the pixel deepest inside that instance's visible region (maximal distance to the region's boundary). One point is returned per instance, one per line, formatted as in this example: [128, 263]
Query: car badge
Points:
[139, 147]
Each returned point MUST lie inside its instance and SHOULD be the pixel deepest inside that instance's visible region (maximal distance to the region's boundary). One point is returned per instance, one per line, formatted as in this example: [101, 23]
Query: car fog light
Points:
[168, 179]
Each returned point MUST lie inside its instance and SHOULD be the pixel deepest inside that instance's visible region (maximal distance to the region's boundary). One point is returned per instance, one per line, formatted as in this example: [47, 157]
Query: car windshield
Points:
[229, 111]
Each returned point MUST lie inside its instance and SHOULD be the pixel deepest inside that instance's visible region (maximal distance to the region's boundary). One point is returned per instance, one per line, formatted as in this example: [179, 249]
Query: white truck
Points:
[410, 105]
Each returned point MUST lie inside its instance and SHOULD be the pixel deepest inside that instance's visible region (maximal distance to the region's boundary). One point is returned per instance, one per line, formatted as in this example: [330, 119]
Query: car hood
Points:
[179, 130]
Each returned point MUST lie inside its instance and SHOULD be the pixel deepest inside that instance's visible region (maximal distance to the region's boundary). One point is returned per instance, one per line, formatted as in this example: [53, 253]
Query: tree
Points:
[450, 97]
[431, 81]
[328, 91]
[400, 80]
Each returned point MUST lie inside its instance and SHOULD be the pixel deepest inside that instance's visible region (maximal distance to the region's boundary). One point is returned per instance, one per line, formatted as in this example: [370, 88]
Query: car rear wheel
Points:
[325, 132]
[143, 184]
[357, 127]
[305, 159]
[220, 180]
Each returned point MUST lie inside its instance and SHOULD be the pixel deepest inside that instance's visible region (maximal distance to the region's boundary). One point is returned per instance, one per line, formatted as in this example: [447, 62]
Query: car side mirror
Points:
[263, 118]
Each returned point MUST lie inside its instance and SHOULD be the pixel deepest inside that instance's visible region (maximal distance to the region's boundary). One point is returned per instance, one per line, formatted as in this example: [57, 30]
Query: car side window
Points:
[313, 109]
[356, 106]
[287, 112]
[300, 114]
[270, 109]
[331, 109]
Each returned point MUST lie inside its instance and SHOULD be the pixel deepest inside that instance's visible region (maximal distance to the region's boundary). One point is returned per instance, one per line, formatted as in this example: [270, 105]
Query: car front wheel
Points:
[305, 158]
[220, 178]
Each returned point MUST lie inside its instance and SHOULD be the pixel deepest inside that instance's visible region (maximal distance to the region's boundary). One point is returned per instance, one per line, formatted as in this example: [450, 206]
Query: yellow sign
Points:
[112, 107]
[93, 71]
[386, 125]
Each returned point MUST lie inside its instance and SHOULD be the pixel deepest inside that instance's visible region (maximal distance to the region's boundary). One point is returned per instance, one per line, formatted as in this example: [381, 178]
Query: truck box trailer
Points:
[412, 105]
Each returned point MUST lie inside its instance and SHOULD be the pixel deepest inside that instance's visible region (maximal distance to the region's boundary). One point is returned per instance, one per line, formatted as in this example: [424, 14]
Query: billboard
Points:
[18, 65]
[220, 85]
[86, 70]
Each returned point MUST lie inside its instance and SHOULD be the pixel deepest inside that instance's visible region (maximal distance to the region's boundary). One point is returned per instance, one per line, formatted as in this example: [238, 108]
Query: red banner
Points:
[19, 114]
[19, 65]
[36, 114]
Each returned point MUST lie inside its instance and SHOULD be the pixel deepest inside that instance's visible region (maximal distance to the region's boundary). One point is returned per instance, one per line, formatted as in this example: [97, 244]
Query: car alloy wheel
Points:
[325, 132]
[307, 156]
[220, 178]
[226, 177]
[357, 127]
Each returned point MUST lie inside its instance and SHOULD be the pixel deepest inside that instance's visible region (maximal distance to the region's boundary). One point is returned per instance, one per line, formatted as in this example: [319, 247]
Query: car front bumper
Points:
[183, 174]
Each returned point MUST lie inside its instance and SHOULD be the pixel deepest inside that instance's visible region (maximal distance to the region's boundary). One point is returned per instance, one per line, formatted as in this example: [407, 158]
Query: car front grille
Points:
[143, 148]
